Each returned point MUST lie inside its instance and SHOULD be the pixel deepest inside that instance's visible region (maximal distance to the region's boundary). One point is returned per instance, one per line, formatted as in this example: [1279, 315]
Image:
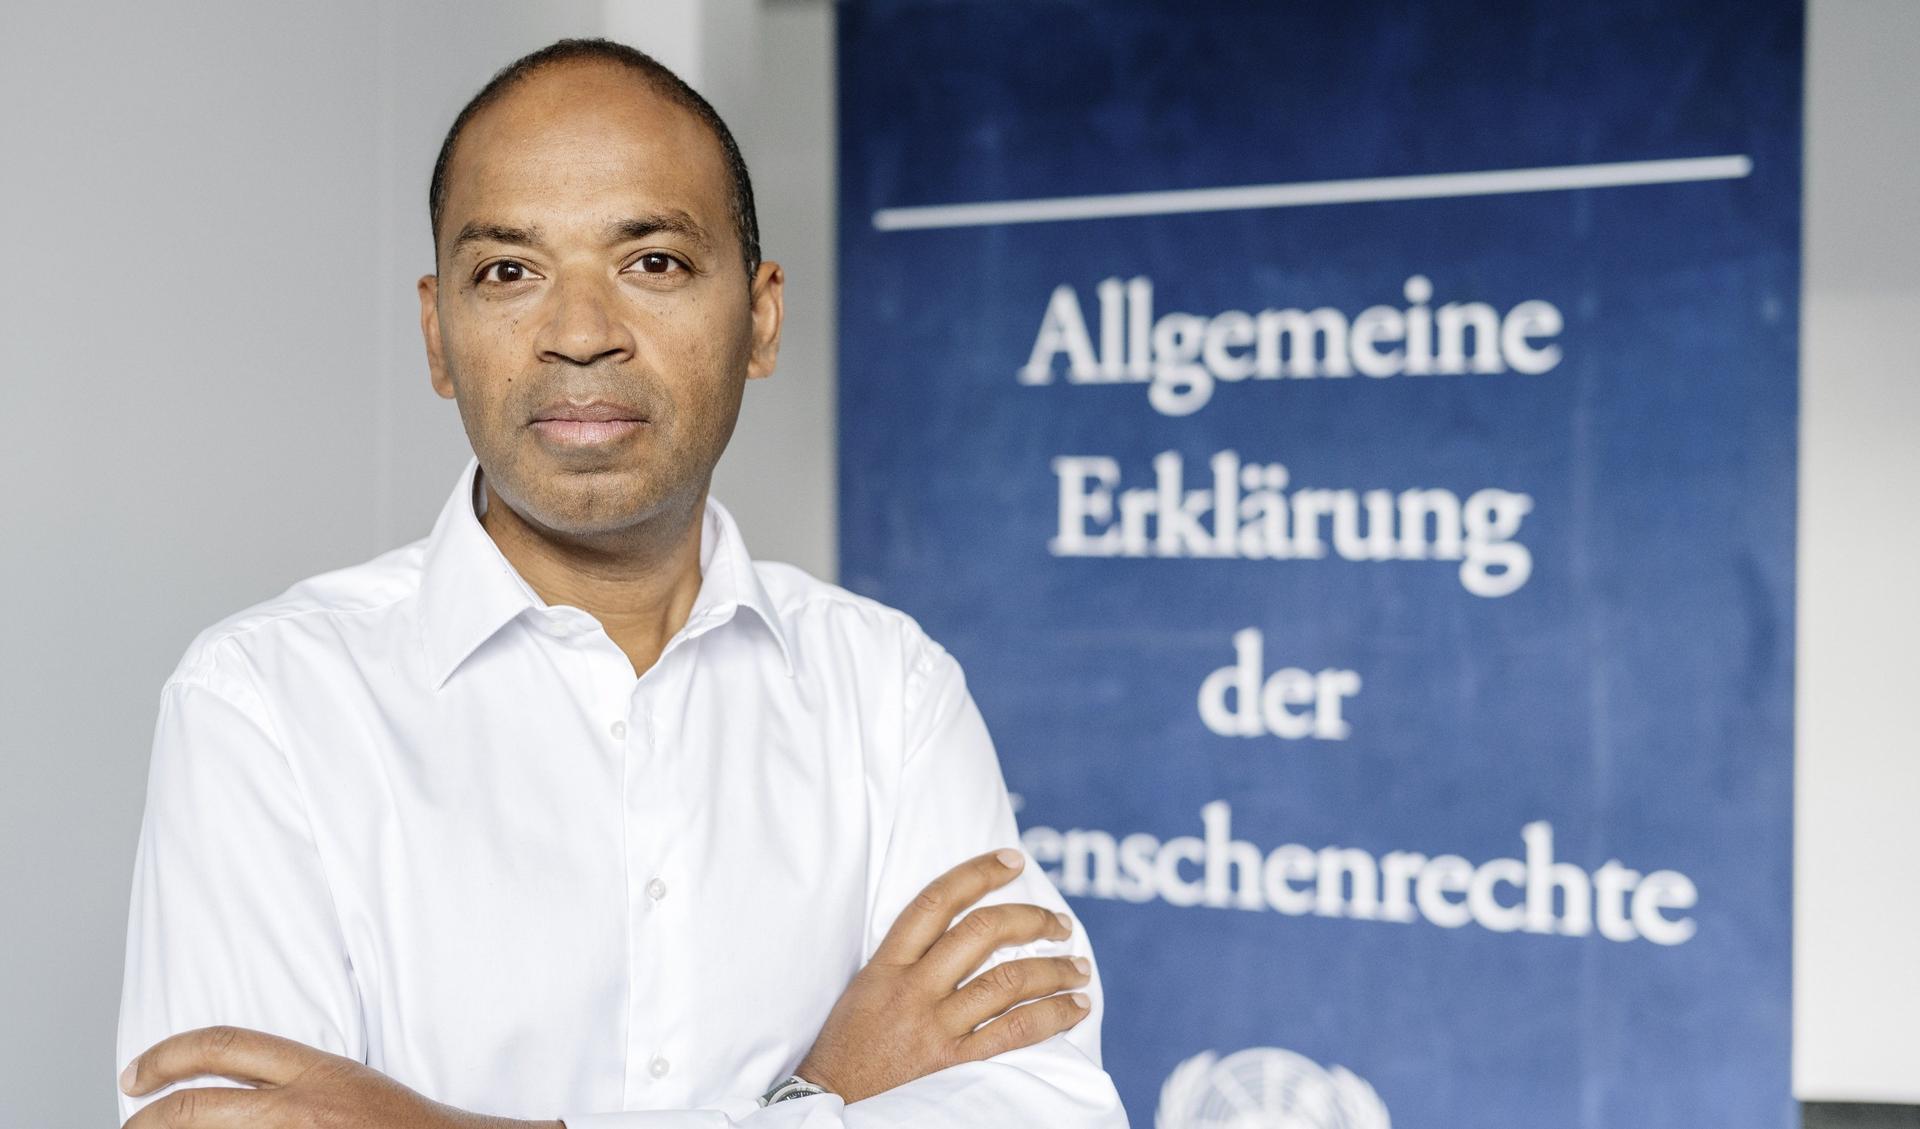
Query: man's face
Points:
[587, 256]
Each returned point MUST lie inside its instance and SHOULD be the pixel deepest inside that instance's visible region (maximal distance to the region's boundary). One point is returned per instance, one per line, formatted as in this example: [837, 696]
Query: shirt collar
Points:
[469, 590]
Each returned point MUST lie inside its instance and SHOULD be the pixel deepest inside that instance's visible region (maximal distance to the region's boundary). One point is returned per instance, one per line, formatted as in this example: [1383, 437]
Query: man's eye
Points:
[506, 270]
[657, 262]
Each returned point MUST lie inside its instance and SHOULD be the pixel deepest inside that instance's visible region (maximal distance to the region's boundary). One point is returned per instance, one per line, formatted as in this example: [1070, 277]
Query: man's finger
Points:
[927, 916]
[1012, 982]
[253, 1057]
[975, 937]
[1024, 1026]
[205, 1107]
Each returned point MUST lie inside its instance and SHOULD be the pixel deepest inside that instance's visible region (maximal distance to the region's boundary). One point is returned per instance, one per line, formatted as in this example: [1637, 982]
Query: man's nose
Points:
[583, 324]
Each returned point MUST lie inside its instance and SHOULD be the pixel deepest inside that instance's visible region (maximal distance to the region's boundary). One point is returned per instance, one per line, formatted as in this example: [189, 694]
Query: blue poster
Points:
[1351, 450]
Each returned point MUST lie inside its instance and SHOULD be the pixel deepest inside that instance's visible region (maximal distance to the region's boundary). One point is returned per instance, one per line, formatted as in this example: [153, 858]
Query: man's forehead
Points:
[579, 86]
[587, 129]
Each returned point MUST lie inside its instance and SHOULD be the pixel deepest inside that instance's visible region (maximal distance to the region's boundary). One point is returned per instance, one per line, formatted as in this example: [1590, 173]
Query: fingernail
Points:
[1009, 858]
[1082, 965]
[1080, 1000]
[126, 1079]
[1065, 921]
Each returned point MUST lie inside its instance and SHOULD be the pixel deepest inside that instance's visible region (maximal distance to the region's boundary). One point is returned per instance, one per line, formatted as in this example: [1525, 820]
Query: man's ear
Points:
[769, 283]
[429, 288]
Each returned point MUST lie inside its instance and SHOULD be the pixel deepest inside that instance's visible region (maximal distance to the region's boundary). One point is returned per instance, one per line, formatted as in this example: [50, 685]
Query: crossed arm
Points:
[912, 1041]
[905, 1016]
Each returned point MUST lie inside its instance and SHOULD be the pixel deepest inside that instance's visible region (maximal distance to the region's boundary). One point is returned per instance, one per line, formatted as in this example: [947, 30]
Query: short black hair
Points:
[663, 81]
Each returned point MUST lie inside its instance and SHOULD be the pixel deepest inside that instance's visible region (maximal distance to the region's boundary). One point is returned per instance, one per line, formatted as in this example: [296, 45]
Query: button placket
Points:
[648, 803]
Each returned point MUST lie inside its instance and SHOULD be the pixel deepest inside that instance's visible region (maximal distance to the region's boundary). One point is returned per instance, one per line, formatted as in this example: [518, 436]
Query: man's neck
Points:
[641, 586]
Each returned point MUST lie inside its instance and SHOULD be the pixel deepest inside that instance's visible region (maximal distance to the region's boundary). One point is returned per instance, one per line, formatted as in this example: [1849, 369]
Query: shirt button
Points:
[656, 889]
[619, 730]
[659, 1067]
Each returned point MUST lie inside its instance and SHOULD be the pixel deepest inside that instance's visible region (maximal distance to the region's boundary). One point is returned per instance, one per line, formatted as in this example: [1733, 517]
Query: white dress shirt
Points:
[410, 813]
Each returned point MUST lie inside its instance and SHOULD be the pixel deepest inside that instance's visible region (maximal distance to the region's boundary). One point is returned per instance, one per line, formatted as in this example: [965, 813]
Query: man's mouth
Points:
[574, 424]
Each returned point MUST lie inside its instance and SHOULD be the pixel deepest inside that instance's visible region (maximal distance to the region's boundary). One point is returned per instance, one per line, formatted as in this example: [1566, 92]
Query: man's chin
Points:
[597, 502]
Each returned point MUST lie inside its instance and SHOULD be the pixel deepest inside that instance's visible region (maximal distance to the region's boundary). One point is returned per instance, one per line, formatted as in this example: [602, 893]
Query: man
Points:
[570, 809]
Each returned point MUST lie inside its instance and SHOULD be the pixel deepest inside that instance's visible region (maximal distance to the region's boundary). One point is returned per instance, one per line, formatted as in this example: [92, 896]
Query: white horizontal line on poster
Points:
[1433, 186]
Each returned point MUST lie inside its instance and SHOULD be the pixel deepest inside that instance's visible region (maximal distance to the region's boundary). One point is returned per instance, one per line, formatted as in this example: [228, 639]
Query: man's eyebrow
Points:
[671, 222]
[478, 232]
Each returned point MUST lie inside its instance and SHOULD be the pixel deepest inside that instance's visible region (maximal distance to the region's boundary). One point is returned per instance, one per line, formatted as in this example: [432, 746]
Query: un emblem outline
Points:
[1266, 1088]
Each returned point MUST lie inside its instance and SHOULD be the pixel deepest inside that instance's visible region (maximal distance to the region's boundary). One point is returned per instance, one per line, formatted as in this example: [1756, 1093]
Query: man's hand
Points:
[906, 1014]
[299, 1088]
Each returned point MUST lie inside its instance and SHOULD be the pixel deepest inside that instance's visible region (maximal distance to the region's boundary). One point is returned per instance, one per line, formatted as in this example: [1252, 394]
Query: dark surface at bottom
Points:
[1858, 1115]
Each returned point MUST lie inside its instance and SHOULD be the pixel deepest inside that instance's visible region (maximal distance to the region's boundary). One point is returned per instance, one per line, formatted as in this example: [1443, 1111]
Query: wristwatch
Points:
[792, 1086]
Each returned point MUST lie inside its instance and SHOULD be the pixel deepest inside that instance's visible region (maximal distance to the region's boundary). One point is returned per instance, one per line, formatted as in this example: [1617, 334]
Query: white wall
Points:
[212, 386]
[1857, 921]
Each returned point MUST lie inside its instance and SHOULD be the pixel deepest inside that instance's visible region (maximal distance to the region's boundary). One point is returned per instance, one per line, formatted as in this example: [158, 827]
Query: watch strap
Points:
[792, 1086]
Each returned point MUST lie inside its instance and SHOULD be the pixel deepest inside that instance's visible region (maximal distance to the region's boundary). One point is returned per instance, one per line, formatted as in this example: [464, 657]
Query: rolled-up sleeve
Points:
[231, 920]
[953, 806]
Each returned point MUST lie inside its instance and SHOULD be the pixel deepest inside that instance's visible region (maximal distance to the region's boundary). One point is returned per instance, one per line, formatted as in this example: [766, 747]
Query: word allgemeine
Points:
[1182, 356]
